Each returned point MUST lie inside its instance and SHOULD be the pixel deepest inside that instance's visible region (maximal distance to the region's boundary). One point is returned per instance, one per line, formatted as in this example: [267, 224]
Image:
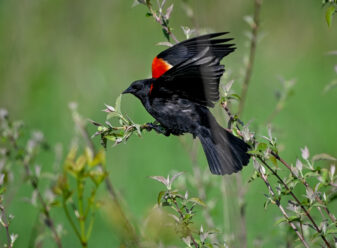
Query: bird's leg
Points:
[158, 128]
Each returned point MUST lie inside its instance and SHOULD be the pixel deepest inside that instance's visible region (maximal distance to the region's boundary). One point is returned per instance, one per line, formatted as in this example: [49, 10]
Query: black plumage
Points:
[180, 96]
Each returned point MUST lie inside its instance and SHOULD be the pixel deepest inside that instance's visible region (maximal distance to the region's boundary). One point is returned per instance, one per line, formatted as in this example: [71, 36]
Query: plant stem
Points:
[5, 224]
[91, 224]
[200, 185]
[240, 187]
[127, 224]
[182, 219]
[81, 217]
[64, 204]
[305, 183]
[159, 19]
[298, 202]
[249, 69]
[49, 222]
[292, 225]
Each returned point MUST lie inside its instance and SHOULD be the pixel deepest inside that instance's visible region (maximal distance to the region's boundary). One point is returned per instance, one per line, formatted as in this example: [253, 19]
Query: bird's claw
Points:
[158, 128]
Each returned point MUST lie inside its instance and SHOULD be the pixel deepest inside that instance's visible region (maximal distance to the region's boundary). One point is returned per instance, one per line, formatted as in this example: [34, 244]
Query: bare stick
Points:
[249, 69]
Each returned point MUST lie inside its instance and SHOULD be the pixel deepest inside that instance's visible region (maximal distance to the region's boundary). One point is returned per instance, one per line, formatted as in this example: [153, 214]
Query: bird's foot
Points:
[158, 128]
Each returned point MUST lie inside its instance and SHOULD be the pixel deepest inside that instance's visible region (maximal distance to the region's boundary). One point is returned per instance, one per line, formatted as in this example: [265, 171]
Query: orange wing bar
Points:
[159, 67]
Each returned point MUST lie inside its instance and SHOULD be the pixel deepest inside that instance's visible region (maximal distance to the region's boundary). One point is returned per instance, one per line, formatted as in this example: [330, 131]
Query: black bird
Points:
[185, 82]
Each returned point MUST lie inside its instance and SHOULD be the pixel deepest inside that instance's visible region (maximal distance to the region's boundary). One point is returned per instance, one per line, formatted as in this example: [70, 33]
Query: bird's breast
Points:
[176, 114]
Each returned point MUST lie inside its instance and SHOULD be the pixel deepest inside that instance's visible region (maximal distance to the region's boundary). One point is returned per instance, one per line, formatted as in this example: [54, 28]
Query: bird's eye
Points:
[138, 87]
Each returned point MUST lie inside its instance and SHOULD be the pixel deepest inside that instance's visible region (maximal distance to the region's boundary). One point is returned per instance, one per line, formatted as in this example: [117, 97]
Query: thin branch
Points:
[160, 20]
[292, 194]
[128, 226]
[297, 200]
[182, 219]
[70, 219]
[253, 42]
[292, 225]
[307, 186]
[241, 188]
[199, 182]
[5, 224]
[200, 185]
[48, 221]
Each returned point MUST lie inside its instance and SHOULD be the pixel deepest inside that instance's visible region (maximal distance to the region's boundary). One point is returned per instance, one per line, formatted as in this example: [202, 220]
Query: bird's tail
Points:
[225, 153]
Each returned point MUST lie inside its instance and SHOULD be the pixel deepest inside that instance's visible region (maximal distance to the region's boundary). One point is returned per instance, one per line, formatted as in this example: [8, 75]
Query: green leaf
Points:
[310, 174]
[197, 201]
[328, 14]
[118, 103]
[290, 219]
[112, 115]
[323, 156]
[262, 147]
[160, 196]
[279, 221]
[316, 204]
[138, 129]
[294, 218]
[97, 176]
[236, 96]
[160, 179]
[2, 190]
[332, 230]
[166, 34]
[253, 152]
[273, 160]
[148, 14]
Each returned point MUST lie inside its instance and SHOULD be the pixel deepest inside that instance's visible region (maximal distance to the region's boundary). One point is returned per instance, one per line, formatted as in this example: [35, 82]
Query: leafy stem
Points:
[5, 224]
[177, 208]
[162, 19]
[305, 183]
[65, 208]
[278, 204]
[297, 200]
[81, 216]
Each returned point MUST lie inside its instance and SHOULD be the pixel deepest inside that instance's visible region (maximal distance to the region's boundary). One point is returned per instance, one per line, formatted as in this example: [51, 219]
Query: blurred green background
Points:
[56, 52]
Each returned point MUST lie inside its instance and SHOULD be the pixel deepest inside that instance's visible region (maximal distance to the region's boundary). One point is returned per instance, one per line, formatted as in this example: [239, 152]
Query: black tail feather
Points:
[225, 153]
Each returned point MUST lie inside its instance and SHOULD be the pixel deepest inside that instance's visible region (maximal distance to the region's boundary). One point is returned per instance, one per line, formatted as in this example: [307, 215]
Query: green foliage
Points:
[183, 208]
[330, 10]
[117, 134]
[84, 169]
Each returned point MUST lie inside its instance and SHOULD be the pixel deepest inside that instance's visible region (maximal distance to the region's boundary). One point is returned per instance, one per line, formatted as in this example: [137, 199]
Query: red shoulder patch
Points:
[159, 67]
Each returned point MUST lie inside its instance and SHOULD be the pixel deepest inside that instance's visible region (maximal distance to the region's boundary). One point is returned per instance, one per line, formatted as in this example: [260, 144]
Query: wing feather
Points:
[196, 70]
[191, 47]
[196, 79]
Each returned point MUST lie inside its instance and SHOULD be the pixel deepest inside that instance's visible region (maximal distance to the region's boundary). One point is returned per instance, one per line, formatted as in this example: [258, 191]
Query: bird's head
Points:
[140, 88]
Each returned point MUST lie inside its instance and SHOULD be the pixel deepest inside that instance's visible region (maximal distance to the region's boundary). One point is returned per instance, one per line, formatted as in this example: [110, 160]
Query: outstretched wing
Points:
[196, 79]
[188, 49]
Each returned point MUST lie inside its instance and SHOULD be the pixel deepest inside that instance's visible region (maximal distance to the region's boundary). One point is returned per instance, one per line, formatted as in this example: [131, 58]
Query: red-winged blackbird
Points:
[185, 82]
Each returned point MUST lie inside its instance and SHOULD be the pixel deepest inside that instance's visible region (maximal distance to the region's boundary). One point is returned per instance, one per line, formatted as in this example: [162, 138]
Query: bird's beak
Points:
[128, 90]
